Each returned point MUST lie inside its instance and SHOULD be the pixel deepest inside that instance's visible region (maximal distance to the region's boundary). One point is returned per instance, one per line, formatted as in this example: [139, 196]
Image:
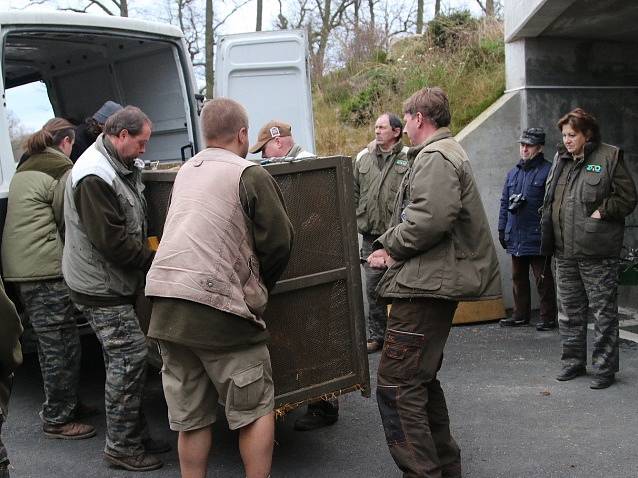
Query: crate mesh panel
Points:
[311, 200]
[158, 194]
[310, 330]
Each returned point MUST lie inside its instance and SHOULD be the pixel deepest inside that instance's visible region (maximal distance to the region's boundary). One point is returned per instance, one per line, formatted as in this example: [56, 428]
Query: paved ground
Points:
[510, 417]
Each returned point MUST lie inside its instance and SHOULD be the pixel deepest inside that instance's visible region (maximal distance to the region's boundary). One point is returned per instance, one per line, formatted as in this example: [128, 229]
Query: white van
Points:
[80, 61]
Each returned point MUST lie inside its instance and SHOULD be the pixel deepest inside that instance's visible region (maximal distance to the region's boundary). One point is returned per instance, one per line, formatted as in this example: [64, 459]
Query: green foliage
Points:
[448, 30]
[470, 68]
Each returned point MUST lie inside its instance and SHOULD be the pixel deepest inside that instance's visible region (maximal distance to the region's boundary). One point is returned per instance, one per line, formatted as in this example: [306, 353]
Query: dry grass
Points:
[470, 67]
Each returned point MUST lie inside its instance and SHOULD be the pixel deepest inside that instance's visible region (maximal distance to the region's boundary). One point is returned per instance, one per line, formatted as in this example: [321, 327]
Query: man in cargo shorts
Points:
[227, 239]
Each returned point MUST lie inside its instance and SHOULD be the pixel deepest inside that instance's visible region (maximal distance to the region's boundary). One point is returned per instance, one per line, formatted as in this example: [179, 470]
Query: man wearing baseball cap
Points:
[275, 141]
[519, 232]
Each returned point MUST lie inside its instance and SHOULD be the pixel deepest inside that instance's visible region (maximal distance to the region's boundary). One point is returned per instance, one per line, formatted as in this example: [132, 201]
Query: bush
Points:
[450, 30]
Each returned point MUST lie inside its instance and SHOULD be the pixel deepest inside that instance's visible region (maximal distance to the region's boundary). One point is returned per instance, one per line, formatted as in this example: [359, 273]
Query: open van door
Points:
[268, 73]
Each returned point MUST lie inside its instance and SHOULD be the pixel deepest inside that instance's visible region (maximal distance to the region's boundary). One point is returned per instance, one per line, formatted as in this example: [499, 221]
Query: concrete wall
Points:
[547, 76]
[490, 142]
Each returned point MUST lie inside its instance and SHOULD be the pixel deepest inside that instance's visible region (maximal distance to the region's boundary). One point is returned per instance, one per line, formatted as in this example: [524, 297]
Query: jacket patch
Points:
[401, 162]
[595, 168]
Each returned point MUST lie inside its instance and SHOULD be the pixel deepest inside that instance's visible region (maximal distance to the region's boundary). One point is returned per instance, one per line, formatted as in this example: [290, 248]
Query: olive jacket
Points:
[34, 227]
[441, 237]
[599, 180]
[376, 182]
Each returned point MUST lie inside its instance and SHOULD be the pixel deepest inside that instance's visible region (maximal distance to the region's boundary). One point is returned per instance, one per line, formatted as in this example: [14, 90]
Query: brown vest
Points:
[206, 254]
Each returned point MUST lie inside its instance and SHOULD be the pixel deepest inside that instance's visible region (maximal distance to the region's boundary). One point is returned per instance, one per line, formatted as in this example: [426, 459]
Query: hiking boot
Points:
[155, 447]
[317, 416]
[543, 326]
[569, 373]
[602, 381]
[141, 462]
[68, 431]
[512, 322]
[374, 346]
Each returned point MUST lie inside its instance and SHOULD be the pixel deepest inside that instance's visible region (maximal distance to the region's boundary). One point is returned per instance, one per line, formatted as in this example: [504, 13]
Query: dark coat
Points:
[523, 227]
[599, 181]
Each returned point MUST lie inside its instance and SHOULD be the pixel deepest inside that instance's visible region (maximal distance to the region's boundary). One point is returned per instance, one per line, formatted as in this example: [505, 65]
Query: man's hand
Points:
[380, 259]
[501, 239]
[596, 215]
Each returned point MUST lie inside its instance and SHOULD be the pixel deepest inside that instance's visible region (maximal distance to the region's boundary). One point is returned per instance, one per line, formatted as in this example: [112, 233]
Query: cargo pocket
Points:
[248, 387]
[401, 356]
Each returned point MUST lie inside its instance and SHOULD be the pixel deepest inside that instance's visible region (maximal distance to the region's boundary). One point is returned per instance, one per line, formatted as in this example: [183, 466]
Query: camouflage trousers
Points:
[589, 287]
[124, 350]
[49, 308]
[377, 311]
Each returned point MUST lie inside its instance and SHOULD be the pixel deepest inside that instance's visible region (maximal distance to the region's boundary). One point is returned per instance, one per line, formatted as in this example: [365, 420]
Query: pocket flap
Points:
[592, 179]
[242, 379]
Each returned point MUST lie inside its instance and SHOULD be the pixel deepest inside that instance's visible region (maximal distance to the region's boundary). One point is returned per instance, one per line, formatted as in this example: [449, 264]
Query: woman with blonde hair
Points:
[31, 259]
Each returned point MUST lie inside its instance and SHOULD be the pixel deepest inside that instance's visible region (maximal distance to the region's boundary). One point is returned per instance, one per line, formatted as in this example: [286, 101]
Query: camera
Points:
[515, 202]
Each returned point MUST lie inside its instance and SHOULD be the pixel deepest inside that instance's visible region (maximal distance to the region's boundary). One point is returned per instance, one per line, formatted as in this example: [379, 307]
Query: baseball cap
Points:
[270, 130]
[533, 136]
[106, 110]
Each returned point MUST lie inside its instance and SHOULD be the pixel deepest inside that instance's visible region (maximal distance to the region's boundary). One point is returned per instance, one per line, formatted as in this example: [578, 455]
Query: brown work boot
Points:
[141, 462]
[68, 431]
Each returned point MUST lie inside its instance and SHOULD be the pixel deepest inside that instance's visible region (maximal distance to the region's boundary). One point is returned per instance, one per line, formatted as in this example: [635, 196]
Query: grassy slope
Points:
[467, 61]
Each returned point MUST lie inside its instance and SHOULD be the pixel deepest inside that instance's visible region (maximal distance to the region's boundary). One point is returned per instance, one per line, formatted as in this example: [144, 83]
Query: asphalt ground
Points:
[509, 416]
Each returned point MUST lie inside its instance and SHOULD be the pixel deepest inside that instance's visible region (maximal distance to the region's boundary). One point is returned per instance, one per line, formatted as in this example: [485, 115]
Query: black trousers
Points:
[542, 270]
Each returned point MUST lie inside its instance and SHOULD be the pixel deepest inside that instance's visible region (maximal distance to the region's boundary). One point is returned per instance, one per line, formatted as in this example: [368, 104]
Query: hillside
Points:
[463, 55]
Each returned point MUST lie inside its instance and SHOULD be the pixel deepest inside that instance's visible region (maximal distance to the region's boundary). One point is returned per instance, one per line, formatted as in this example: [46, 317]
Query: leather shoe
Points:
[318, 415]
[512, 322]
[141, 462]
[569, 373]
[374, 346]
[602, 381]
[543, 326]
[68, 431]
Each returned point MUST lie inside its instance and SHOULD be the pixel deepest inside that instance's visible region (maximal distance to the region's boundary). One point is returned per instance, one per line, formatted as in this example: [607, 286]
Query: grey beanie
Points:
[106, 110]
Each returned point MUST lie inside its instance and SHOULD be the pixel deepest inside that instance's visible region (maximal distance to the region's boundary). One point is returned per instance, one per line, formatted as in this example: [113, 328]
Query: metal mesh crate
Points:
[315, 312]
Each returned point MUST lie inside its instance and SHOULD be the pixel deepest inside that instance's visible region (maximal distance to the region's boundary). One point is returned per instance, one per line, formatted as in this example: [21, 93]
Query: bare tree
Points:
[437, 8]
[260, 11]
[110, 7]
[490, 7]
[210, 48]
[419, 17]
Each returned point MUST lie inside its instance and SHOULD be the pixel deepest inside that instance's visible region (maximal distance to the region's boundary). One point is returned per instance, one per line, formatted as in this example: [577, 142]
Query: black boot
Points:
[318, 415]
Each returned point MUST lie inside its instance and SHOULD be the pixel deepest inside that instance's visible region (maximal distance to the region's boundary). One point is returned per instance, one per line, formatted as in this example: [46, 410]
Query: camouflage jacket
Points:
[375, 187]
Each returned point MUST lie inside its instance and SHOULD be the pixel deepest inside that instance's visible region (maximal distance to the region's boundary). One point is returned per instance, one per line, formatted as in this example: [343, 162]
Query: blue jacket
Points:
[523, 227]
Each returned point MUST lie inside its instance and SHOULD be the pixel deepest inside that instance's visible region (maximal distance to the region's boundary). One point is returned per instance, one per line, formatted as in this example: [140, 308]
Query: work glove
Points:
[501, 239]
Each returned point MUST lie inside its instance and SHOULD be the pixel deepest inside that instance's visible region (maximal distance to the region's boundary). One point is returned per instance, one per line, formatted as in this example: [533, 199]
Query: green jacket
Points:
[599, 180]
[375, 187]
[441, 237]
[10, 351]
[32, 236]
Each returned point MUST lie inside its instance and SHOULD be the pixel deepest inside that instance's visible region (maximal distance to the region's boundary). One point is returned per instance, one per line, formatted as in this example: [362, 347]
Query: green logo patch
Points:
[403, 162]
[594, 168]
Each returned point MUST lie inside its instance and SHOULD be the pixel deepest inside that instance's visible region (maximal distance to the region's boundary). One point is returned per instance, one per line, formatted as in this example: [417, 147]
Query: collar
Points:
[531, 163]
[105, 146]
[439, 134]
